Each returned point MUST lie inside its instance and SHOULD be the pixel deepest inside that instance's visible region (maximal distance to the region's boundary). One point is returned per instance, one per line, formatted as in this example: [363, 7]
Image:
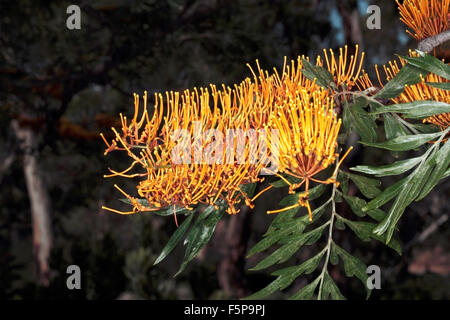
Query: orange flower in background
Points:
[415, 92]
[308, 129]
[426, 18]
[344, 69]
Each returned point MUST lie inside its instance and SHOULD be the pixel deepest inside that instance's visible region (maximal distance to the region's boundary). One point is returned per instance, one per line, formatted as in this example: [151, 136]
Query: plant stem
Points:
[330, 237]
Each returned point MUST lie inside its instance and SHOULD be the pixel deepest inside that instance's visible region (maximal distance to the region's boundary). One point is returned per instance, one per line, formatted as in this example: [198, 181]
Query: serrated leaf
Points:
[297, 226]
[343, 181]
[357, 205]
[330, 289]
[403, 143]
[290, 247]
[200, 233]
[291, 273]
[430, 64]
[334, 257]
[407, 75]
[175, 238]
[287, 275]
[367, 186]
[416, 109]
[392, 169]
[364, 231]
[307, 291]
[353, 266]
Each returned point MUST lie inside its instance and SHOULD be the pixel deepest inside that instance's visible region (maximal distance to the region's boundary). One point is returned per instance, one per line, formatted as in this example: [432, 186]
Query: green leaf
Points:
[248, 189]
[296, 226]
[403, 143]
[343, 181]
[417, 109]
[367, 186]
[439, 85]
[425, 128]
[307, 291]
[200, 233]
[393, 128]
[446, 174]
[407, 75]
[290, 247]
[442, 163]
[355, 117]
[175, 238]
[395, 168]
[322, 76]
[293, 272]
[330, 289]
[364, 231]
[353, 266]
[357, 205]
[385, 196]
[287, 275]
[430, 64]
[409, 191]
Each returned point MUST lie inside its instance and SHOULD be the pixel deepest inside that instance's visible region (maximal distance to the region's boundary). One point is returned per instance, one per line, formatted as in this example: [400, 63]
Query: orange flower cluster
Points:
[172, 170]
[415, 92]
[426, 18]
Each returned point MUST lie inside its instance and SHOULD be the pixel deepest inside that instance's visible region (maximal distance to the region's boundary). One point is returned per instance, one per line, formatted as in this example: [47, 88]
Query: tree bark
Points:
[348, 9]
[231, 269]
[39, 202]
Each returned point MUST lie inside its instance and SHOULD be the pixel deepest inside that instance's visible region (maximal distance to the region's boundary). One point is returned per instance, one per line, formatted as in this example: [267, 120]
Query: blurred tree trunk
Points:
[39, 201]
[351, 20]
[231, 269]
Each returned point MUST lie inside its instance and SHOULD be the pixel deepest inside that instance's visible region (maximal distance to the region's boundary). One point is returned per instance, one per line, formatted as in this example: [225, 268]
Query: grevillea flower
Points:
[308, 128]
[165, 180]
[426, 18]
[344, 69]
[415, 92]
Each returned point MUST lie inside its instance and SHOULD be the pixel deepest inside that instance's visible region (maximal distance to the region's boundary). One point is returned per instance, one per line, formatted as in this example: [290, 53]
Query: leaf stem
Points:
[330, 237]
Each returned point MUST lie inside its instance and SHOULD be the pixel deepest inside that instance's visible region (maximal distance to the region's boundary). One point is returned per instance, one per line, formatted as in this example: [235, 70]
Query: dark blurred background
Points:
[60, 88]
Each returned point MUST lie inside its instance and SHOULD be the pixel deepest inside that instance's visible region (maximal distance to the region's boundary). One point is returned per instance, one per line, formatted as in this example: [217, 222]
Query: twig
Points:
[428, 44]
[428, 231]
